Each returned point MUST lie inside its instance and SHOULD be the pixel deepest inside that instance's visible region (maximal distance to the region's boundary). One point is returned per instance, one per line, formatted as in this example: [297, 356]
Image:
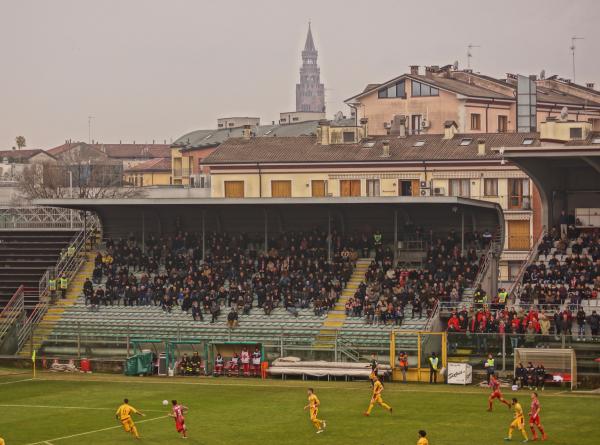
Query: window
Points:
[419, 144]
[422, 90]
[490, 187]
[466, 141]
[415, 122]
[372, 187]
[518, 235]
[318, 188]
[527, 141]
[502, 124]
[518, 194]
[408, 188]
[369, 144]
[460, 187]
[475, 121]
[281, 189]
[596, 141]
[575, 133]
[294, 119]
[348, 137]
[393, 91]
[234, 189]
[350, 187]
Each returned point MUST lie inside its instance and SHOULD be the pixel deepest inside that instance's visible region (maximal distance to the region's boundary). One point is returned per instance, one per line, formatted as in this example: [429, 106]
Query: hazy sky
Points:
[151, 69]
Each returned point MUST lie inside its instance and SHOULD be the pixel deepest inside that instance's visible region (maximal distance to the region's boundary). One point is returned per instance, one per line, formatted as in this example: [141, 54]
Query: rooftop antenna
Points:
[469, 54]
[90, 129]
[573, 39]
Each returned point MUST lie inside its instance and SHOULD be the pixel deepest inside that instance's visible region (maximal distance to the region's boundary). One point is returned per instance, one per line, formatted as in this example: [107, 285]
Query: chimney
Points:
[246, 133]
[363, 123]
[590, 85]
[414, 70]
[450, 129]
[398, 127]
[480, 147]
[386, 149]
[323, 132]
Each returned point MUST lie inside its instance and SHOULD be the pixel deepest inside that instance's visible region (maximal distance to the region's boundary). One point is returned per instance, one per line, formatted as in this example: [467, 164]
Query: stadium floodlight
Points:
[561, 364]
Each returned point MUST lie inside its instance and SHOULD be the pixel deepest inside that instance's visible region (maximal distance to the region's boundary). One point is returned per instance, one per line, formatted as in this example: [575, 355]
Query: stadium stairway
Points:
[335, 318]
[56, 311]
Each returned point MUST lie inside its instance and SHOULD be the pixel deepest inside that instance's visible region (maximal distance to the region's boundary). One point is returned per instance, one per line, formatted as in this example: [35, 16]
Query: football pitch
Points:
[74, 409]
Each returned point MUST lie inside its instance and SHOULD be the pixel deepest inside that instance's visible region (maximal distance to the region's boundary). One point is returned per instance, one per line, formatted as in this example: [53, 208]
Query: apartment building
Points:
[429, 96]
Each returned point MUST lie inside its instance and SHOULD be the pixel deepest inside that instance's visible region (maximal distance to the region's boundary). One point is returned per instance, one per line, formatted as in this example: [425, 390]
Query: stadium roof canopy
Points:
[255, 216]
[566, 175]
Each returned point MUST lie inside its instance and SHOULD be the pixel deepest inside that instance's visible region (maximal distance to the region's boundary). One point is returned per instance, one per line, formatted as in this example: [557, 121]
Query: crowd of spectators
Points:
[169, 272]
[387, 289]
[567, 271]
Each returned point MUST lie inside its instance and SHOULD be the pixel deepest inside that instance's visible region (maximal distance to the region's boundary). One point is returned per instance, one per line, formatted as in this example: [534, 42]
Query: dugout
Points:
[158, 356]
[227, 349]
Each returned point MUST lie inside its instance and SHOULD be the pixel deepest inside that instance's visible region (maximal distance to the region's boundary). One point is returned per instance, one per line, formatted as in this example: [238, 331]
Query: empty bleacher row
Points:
[24, 258]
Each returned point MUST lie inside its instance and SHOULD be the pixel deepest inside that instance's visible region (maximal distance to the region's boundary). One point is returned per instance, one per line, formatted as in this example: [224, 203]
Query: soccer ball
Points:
[165, 402]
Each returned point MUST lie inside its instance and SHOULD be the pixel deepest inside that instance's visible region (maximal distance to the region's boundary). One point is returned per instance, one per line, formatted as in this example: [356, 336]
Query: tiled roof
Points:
[20, 154]
[460, 86]
[135, 150]
[307, 150]
[201, 138]
[152, 165]
[127, 151]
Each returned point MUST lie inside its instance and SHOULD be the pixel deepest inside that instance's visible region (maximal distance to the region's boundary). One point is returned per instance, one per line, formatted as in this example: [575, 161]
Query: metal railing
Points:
[13, 312]
[67, 266]
[30, 217]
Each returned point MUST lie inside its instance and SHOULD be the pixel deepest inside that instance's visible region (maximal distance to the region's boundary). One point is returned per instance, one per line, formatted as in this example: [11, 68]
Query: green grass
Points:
[236, 411]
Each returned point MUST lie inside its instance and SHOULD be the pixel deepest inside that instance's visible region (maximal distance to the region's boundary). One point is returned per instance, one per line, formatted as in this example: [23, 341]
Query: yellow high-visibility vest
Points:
[64, 283]
[52, 284]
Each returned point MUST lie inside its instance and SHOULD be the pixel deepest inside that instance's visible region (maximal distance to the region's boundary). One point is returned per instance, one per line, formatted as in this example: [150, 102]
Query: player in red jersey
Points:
[177, 413]
[534, 417]
[496, 394]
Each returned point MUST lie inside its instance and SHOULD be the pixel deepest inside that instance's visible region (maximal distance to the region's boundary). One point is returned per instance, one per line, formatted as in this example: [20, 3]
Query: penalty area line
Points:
[16, 381]
[56, 439]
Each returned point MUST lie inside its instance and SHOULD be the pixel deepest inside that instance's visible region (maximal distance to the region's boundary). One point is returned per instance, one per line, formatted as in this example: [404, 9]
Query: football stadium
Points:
[424, 270]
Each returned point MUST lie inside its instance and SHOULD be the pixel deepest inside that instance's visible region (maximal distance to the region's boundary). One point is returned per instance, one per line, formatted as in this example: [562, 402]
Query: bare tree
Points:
[89, 181]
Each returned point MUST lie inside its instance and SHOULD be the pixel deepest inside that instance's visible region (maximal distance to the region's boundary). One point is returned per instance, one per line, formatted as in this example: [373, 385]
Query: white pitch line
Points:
[72, 407]
[56, 439]
[389, 389]
[16, 381]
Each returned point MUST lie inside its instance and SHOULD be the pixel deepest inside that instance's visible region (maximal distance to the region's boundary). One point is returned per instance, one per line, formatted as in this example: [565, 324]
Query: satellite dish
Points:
[564, 113]
[542, 74]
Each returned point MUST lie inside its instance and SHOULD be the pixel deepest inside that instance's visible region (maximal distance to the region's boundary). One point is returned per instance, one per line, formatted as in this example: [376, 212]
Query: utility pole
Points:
[573, 39]
[90, 129]
[469, 54]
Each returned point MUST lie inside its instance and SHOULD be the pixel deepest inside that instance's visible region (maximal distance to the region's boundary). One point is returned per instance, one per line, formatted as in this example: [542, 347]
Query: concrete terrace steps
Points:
[55, 313]
[336, 317]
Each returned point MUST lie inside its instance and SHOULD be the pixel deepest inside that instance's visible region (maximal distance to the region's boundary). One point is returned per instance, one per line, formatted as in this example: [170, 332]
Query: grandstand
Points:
[106, 331]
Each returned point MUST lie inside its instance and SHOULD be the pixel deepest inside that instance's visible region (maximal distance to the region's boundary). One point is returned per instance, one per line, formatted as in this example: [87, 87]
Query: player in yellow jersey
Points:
[518, 422]
[123, 415]
[313, 406]
[1, 441]
[422, 438]
[376, 397]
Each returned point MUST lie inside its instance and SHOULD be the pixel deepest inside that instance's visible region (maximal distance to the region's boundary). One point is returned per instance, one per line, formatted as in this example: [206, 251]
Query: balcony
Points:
[179, 172]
